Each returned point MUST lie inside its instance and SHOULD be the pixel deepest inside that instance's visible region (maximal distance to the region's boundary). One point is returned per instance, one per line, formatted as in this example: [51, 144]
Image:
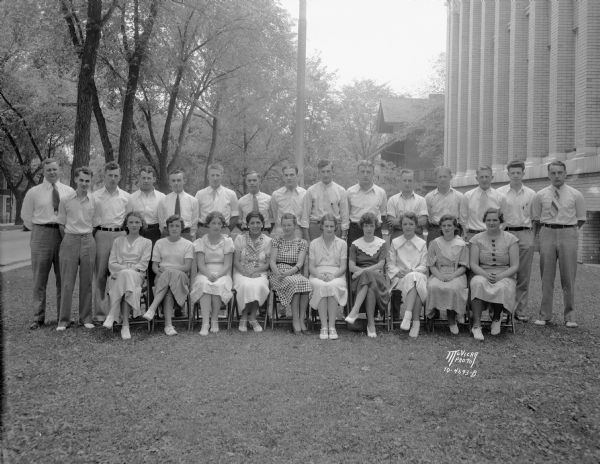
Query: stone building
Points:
[523, 82]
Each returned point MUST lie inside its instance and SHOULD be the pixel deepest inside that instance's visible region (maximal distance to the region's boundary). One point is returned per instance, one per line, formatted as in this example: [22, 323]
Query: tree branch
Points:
[24, 122]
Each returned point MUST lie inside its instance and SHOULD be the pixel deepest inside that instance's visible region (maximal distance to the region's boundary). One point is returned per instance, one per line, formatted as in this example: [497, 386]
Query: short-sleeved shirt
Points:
[214, 253]
[169, 253]
[494, 252]
[517, 205]
[399, 204]
[439, 204]
[220, 199]
[373, 200]
[111, 207]
[77, 214]
[188, 209]
[571, 206]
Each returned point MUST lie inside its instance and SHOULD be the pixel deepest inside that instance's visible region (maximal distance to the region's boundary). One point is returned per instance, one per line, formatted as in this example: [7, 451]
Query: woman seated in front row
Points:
[288, 254]
[128, 262]
[407, 269]
[367, 266]
[171, 262]
[250, 264]
[212, 286]
[494, 261]
[448, 259]
[327, 264]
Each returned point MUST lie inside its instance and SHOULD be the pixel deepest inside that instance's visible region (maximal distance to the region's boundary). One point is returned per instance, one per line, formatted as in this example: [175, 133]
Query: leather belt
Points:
[473, 231]
[516, 229]
[153, 226]
[52, 225]
[559, 226]
[111, 229]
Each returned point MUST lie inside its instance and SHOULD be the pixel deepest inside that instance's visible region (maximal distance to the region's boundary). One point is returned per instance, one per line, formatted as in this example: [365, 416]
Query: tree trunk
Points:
[85, 86]
[109, 154]
[19, 197]
[213, 144]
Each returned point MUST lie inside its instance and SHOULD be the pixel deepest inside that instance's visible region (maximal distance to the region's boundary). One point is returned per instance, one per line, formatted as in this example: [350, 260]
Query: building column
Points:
[587, 78]
[501, 83]
[517, 94]
[538, 80]
[561, 132]
[486, 85]
[463, 88]
[452, 57]
[474, 82]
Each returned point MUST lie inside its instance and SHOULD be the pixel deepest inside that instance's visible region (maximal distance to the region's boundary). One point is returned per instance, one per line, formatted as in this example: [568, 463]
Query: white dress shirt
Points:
[146, 203]
[284, 200]
[188, 208]
[372, 200]
[246, 205]
[77, 214]
[439, 204]
[321, 199]
[474, 204]
[37, 206]
[571, 206]
[111, 207]
[220, 199]
[399, 204]
[517, 205]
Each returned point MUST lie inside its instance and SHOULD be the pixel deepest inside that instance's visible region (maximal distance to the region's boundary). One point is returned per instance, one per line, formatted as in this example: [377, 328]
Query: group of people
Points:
[323, 247]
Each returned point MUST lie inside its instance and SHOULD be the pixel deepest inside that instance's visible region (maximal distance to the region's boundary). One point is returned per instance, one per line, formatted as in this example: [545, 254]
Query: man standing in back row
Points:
[442, 200]
[255, 201]
[217, 197]
[558, 213]
[40, 215]
[180, 203]
[405, 201]
[111, 204]
[517, 220]
[287, 199]
[321, 198]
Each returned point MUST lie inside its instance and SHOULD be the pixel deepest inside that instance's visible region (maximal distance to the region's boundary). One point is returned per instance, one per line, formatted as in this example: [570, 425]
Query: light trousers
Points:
[77, 251]
[558, 246]
[104, 240]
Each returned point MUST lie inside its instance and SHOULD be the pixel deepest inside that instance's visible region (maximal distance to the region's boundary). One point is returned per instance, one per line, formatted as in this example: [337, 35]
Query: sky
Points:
[388, 41]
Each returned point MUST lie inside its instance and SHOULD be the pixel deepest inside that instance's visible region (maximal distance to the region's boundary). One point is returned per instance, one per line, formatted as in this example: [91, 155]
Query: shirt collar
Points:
[415, 241]
[370, 189]
[294, 190]
[412, 195]
[437, 190]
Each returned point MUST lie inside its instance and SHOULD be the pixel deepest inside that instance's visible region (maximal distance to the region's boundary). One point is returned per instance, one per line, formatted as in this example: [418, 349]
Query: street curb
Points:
[13, 266]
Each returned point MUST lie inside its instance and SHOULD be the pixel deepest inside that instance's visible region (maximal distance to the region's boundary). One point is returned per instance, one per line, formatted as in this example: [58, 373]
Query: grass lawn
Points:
[87, 396]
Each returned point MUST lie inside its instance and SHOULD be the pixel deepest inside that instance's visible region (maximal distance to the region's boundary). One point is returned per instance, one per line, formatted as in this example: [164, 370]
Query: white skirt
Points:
[503, 292]
[410, 281]
[127, 283]
[336, 288]
[249, 289]
[220, 287]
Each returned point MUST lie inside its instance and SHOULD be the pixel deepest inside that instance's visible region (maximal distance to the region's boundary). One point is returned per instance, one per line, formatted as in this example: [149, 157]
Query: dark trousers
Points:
[45, 246]
[152, 233]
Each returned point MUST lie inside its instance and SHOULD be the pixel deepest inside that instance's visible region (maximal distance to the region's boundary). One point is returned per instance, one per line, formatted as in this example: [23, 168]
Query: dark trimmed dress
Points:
[287, 252]
[376, 281]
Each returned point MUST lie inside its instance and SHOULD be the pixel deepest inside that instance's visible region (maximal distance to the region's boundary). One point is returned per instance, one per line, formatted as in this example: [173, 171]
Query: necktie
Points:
[555, 203]
[177, 206]
[483, 204]
[55, 198]
[254, 204]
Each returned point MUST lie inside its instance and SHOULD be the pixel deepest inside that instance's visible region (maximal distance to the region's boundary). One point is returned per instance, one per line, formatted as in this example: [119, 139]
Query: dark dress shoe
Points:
[36, 325]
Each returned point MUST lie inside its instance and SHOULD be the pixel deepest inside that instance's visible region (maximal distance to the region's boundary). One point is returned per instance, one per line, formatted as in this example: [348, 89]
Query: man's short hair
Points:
[484, 168]
[324, 162]
[407, 171]
[440, 169]
[83, 169]
[289, 166]
[147, 170]
[366, 163]
[251, 173]
[557, 163]
[176, 172]
[48, 161]
[516, 164]
[111, 166]
[216, 167]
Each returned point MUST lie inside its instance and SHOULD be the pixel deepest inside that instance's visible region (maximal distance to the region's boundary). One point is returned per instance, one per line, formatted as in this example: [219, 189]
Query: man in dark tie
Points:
[180, 203]
[40, 214]
[558, 212]
[255, 200]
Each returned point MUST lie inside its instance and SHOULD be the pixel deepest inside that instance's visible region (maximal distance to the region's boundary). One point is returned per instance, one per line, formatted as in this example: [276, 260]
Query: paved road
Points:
[14, 247]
